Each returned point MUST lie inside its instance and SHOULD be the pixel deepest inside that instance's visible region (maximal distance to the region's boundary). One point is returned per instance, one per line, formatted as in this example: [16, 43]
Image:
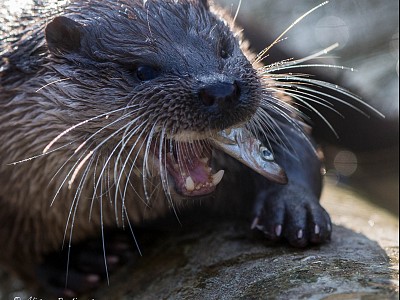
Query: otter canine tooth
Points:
[217, 177]
[189, 185]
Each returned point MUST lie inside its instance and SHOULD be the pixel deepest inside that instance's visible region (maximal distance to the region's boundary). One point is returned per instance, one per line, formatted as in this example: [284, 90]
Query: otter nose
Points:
[221, 94]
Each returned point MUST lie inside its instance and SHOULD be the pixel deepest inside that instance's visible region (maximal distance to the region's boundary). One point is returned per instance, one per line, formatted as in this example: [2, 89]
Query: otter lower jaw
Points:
[188, 164]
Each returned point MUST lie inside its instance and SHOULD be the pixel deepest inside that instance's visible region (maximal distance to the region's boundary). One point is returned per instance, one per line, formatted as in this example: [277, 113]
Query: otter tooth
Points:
[217, 177]
[189, 184]
[204, 160]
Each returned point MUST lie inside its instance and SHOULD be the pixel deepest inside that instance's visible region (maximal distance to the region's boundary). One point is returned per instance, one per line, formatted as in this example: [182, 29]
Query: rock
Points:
[224, 261]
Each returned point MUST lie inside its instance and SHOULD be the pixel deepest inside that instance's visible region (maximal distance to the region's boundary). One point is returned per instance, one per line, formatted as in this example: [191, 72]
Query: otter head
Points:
[157, 78]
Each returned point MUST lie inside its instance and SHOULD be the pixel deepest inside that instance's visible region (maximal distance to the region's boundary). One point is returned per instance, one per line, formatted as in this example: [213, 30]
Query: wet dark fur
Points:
[47, 87]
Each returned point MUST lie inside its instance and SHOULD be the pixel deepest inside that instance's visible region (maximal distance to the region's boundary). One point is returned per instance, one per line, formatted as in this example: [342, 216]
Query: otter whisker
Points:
[251, 125]
[260, 125]
[71, 216]
[145, 167]
[298, 85]
[42, 154]
[127, 136]
[300, 99]
[50, 83]
[342, 91]
[107, 161]
[131, 230]
[163, 169]
[116, 132]
[237, 11]
[310, 92]
[289, 112]
[268, 70]
[133, 165]
[105, 179]
[103, 240]
[213, 28]
[67, 175]
[146, 136]
[49, 145]
[297, 62]
[261, 55]
[75, 202]
[283, 67]
[94, 184]
[77, 169]
[291, 91]
[81, 162]
[282, 109]
[109, 183]
[119, 119]
[269, 129]
[65, 145]
[128, 183]
[148, 23]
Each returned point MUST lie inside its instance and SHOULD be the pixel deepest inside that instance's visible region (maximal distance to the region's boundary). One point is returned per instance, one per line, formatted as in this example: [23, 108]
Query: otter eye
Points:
[224, 54]
[146, 73]
[225, 49]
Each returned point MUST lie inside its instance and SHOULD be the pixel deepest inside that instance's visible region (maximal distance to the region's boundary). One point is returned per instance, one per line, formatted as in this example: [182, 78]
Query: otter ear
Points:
[63, 35]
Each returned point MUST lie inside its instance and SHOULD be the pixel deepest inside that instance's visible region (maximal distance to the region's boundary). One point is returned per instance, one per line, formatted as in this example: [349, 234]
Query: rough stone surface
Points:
[227, 261]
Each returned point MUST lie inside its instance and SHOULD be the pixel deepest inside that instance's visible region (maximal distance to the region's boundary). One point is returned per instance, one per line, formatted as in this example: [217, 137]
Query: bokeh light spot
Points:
[345, 163]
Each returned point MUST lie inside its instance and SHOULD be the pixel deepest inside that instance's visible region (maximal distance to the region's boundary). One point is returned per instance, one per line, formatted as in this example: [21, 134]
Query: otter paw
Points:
[293, 214]
[85, 269]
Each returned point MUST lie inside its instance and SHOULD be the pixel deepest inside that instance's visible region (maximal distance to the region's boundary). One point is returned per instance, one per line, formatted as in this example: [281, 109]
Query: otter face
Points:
[172, 72]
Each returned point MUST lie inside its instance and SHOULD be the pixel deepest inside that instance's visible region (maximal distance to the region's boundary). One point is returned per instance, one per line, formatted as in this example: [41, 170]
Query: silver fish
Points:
[243, 146]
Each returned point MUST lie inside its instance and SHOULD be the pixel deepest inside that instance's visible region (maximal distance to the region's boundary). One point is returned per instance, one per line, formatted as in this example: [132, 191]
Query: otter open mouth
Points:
[189, 166]
[189, 163]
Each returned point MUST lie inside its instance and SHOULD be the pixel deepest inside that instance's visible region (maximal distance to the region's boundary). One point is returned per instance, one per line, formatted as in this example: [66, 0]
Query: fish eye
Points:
[266, 154]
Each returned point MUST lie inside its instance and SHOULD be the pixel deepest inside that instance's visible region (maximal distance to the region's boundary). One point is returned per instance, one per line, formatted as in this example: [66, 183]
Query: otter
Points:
[111, 117]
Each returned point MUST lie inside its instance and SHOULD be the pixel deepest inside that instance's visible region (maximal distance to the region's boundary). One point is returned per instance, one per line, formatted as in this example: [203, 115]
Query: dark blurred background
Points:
[366, 154]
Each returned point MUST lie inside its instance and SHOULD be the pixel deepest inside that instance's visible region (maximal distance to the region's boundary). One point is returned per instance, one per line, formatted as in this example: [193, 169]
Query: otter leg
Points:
[83, 268]
[293, 211]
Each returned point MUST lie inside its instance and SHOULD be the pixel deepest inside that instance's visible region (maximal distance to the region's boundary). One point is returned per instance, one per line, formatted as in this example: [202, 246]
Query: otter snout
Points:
[220, 96]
